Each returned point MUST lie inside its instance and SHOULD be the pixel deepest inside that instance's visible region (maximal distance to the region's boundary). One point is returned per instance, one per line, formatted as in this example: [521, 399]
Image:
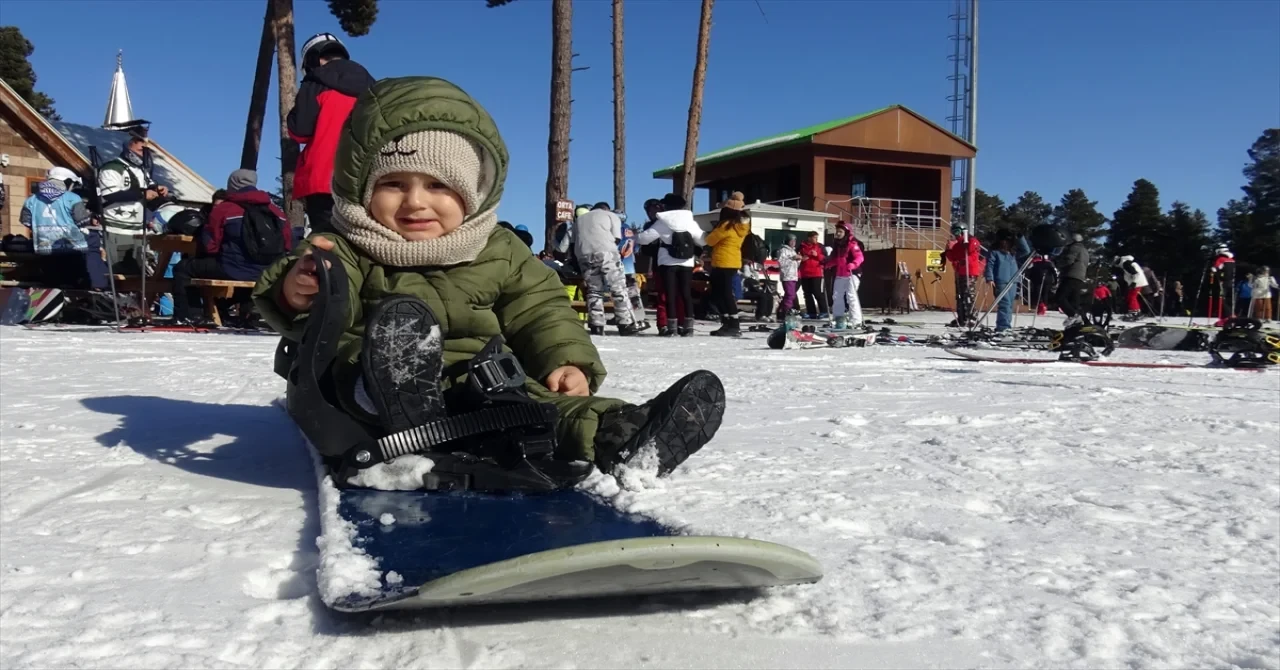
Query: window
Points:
[33, 184]
[859, 186]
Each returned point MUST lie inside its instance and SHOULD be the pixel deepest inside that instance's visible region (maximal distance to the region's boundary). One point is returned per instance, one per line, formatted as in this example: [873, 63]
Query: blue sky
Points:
[1079, 93]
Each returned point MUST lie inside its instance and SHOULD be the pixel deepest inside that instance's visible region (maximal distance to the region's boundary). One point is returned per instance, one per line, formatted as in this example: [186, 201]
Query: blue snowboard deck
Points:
[468, 548]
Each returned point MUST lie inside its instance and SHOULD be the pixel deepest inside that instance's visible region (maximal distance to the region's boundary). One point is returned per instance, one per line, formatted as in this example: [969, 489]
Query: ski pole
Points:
[1007, 287]
[1191, 313]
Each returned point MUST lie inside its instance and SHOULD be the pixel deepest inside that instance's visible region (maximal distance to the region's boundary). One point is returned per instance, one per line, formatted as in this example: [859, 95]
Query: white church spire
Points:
[119, 109]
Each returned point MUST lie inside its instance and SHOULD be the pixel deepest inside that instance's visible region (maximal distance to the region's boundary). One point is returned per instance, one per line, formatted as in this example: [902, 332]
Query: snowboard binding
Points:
[496, 439]
[1242, 344]
[1082, 342]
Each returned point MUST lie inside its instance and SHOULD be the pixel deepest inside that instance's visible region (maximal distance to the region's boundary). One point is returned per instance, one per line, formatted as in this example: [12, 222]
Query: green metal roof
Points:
[799, 136]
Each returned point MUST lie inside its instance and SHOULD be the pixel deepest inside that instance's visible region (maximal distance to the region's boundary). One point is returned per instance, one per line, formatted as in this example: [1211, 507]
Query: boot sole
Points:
[684, 421]
[405, 378]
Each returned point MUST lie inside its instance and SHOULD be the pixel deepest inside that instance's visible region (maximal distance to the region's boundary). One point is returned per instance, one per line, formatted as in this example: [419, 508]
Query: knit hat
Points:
[736, 201]
[242, 179]
[457, 162]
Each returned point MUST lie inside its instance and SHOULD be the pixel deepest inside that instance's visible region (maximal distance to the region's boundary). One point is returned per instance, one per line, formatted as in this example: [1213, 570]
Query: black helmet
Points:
[322, 44]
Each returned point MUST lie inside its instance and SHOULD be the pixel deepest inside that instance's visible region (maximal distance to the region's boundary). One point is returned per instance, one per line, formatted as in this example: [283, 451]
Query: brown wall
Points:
[26, 162]
[895, 130]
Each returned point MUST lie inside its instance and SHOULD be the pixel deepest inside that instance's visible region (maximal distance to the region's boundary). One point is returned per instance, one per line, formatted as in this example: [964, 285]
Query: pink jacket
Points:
[849, 262]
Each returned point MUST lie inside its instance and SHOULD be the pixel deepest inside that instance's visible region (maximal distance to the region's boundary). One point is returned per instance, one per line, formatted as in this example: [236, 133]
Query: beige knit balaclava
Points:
[453, 159]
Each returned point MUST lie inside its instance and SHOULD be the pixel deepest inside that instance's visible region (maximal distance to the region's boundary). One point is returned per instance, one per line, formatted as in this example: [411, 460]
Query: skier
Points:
[1003, 262]
[1074, 264]
[1043, 277]
[962, 251]
[1127, 271]
[1222, 282]
[846, 259]
[126, 188]
[445, 323]
[1100, 311]
[330, 86]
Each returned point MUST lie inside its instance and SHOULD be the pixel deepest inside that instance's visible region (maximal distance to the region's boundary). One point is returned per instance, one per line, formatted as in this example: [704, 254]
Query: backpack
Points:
[186, 222]
[682, 247]
[753, 248]
[265, 236]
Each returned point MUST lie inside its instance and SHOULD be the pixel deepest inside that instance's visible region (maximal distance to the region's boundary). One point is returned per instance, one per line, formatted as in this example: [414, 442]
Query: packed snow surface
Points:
[158, 509]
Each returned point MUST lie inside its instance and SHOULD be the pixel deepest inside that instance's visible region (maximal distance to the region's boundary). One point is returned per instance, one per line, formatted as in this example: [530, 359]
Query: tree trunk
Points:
[619, 116]
[558, 144]
[258, 99]
[695, 103]
[287, 75]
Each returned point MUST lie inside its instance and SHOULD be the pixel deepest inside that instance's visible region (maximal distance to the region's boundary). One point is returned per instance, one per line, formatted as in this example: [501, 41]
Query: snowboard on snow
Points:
[968, 355]
[784, 338]
[1163, 338]
[451, 549]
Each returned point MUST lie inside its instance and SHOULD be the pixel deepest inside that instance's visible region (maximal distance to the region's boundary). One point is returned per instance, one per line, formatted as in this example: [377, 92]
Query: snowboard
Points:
[784, 338]
[451, 549]
[1106, 364]
[1163, 338]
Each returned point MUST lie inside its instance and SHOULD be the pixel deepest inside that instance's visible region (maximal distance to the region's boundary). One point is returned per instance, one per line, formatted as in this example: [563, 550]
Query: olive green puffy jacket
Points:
[504, 291]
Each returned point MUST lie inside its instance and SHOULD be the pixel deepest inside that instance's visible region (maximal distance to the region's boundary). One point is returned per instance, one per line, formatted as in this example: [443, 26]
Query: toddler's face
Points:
[416, 205]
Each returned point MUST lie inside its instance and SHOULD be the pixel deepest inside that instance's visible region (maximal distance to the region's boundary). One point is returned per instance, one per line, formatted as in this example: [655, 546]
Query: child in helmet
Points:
[419, 174]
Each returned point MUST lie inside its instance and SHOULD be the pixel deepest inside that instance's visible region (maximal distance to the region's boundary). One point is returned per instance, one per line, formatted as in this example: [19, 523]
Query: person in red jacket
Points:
[328, 92]
[962, 252]
[812, 258]
[220, 248]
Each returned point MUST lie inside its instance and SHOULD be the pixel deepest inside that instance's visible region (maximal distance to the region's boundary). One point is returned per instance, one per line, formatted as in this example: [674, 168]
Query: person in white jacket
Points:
[1263, 284]
[681, 240]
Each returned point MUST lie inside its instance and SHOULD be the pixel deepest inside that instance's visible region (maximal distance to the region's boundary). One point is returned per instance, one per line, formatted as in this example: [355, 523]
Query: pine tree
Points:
[1077, 214]
[1262, 246]
[1029, 211]
[1135, 227]
[1182, 245]
[16, 71]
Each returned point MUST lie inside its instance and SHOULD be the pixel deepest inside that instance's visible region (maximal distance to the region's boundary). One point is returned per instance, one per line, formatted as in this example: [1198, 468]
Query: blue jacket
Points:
[54, 216]
[1002, 265]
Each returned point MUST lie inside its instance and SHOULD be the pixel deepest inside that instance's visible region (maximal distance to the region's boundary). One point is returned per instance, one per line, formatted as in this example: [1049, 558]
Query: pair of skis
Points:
[968, 355]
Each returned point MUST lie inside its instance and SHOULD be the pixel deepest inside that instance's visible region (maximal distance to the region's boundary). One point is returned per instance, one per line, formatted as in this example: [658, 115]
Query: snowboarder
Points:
[962, 250]
[445, 322]
[597, 233]
[330, 86]
[1074, 264]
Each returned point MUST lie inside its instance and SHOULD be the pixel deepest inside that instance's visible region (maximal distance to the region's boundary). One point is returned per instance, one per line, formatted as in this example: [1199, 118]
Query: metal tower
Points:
[963, 98]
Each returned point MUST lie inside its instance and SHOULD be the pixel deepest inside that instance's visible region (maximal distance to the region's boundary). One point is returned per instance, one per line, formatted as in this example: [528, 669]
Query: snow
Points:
[159, 509]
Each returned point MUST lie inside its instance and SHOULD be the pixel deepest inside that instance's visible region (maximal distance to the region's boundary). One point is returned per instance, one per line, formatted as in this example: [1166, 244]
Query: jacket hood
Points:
[49, 191]
[342, 75]
[250, 197]
[679, 219]
[393, 108]
[848, 229]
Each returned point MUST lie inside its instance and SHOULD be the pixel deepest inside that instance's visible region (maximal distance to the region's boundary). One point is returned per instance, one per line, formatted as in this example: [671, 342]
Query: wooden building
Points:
[888, 172]
[33, 144]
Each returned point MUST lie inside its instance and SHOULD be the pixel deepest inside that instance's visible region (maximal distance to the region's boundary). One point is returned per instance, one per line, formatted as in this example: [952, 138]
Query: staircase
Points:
[884, 223]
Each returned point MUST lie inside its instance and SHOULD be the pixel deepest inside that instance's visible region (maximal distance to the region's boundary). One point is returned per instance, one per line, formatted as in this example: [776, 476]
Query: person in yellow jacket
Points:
[725, 241]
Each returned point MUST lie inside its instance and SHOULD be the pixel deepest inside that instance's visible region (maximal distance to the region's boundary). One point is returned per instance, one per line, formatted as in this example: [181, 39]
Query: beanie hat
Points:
[242, 179]
[736, 201]
[458, 163]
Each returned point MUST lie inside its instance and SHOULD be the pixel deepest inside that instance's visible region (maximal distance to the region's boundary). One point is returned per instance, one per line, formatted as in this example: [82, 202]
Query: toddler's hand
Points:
[300, 284]
[568, 380]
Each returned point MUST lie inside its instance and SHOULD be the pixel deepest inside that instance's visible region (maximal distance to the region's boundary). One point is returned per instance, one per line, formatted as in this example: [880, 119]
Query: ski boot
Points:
[677, 423]
[1082, 343]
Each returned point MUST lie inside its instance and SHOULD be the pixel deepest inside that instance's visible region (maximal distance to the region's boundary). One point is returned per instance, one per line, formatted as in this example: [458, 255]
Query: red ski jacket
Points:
[955, 254]
[323, 103]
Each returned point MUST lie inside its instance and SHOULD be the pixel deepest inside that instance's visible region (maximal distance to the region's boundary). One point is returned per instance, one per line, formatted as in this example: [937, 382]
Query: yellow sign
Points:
[933, 260]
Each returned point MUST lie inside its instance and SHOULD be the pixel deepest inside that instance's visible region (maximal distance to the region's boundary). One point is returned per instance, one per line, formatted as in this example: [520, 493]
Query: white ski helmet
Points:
[1224, 251]
[61, 174]
[323, 44]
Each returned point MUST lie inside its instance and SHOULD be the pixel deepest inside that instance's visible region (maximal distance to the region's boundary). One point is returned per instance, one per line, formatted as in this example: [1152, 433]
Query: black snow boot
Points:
[667, 331]
[402, 361]
[686, 328]
[676, 423]
[729, 327]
